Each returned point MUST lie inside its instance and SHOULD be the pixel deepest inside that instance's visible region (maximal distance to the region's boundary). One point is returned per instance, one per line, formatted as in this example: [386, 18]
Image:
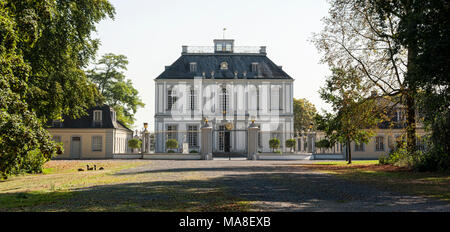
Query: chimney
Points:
[262, 50]
[184, 49]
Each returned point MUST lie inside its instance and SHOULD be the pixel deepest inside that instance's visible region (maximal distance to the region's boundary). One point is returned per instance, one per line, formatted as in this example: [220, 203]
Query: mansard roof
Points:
[87, 121]
[237, 62]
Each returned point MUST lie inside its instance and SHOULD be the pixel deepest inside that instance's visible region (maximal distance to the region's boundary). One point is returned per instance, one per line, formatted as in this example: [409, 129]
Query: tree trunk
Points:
[349, 152]
[410, 124]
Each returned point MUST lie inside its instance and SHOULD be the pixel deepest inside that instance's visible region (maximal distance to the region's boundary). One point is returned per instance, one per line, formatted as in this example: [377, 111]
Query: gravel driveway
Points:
[283, 186]
[163, 185]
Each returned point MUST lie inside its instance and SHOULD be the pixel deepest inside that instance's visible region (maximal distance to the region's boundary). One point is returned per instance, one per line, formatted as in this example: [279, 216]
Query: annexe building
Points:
[97, 135]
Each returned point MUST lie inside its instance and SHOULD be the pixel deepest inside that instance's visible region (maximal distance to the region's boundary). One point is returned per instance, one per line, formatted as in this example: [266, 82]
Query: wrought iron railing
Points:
[236, 49]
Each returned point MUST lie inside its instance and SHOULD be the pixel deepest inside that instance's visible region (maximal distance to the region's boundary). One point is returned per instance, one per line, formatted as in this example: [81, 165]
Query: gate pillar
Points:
[206, 137]
[252, 141]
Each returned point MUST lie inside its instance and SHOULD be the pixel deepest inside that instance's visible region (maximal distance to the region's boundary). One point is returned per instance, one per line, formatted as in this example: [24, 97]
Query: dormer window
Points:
[97, 118]
[255, 67]
[224, 66]
[193, 67]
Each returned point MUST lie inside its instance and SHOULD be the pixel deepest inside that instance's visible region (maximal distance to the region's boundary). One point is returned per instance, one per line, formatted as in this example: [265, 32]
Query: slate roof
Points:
[267, 69]
[87, 121]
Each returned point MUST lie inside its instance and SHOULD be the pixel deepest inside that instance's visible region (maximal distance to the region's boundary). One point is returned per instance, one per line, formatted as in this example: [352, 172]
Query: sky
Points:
[150, 33]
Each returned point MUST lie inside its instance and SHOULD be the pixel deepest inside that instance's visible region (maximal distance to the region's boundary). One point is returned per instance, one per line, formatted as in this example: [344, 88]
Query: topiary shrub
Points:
[274, 143]
[135, 143]
[171, 144]
[290, 143]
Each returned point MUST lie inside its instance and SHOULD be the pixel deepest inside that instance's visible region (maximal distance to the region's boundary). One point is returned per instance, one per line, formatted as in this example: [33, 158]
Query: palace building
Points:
[228, 87]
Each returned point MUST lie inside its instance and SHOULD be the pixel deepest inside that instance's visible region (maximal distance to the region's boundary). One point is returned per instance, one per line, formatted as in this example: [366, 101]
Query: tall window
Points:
[257, 98]
[97, 118]
[379, 143]
[259, 136]
[96, 143]
[171, 99]
[172, 132]
[359, 147]
[193, 104]
[224, 100]
[192, 136]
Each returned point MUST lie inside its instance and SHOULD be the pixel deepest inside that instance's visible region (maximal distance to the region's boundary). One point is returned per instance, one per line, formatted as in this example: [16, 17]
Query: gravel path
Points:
[282, 186]
[163, 185]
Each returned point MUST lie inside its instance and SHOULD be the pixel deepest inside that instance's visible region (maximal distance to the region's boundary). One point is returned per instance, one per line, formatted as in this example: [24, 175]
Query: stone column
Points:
[252, 141]
[310, 143]
[206, 146]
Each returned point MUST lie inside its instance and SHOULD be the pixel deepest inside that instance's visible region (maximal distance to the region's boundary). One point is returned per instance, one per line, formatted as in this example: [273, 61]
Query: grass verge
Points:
[399, 179]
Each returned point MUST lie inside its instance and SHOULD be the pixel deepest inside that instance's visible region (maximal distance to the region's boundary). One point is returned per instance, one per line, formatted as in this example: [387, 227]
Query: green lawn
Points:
[58, 189]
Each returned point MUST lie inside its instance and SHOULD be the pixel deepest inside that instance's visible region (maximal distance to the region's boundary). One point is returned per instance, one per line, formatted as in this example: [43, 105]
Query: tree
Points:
[323, 144]
[64, 47]
[43, 47]
[290, 143]
[424, 27]
[115, 90]
[304, 113]
[356, 37]
[274, 143]
[357, 114]
[24, 144]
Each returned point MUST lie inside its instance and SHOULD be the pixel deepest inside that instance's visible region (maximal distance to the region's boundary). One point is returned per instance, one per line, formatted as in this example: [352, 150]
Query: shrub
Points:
[171, 144]
[274, 143]
[278, 152]
[290, 143]
[170, 151]
[134, 143]
[193, 151]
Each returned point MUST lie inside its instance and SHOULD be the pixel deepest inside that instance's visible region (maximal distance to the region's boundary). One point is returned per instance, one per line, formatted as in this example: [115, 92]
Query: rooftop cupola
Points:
[223, 45]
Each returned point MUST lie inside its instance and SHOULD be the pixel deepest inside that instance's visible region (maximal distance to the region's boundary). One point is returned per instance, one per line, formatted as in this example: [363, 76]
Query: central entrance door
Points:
[227, 141]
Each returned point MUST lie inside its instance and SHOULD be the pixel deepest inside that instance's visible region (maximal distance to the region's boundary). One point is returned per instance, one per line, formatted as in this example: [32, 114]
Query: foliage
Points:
[171, 144]
[323, 143]
[63, 48]
[43, 47]
[24, 144]
[135, 143]
[424, 28]
[304, 113]
[115, 90]
[356, 37]
[274, 143]
[290, 143]
[357, 115]
[193, 151]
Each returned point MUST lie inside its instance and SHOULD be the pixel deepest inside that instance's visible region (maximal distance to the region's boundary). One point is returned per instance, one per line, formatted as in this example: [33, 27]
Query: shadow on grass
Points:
[275, 189]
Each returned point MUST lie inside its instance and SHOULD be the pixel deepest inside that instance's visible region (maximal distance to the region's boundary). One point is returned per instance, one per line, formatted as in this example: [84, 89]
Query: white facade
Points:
[229, 105]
